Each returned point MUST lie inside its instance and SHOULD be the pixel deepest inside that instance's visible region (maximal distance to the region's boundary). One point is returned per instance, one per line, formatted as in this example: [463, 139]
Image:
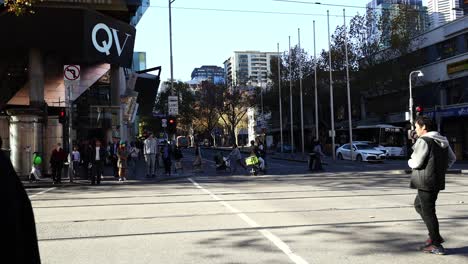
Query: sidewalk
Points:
[133, 177]
[460, 166]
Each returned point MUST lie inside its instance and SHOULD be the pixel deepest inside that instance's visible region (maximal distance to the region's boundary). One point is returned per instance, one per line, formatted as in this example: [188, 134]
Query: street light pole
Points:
[170, 46]
[348, 88]
[300, 89]
[316, 93]
[279, 90]
[420, 74]
[332, 113]
[290, 97]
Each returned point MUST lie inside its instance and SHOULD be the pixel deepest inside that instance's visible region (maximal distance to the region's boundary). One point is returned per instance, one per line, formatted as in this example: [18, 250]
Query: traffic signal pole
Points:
[70, 141]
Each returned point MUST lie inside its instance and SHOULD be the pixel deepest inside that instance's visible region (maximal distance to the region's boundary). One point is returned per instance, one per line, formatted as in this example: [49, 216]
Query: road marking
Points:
[39, 193]
[270, 236]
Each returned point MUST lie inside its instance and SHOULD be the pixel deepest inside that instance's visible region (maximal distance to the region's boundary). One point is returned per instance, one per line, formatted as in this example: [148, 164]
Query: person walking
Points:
[149, 150]
[133, 158]
[57, 160]
[178, 159]
[316, 162]
[19, 235]
[113, 149]
[166, 157]
[197, 162]
[75, 162]
[122, 155]
[236, 158]
[97, 156]
[431, 158]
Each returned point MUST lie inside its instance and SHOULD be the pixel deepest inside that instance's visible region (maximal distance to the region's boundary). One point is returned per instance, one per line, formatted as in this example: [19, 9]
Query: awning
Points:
[81, 35]
[147, 87]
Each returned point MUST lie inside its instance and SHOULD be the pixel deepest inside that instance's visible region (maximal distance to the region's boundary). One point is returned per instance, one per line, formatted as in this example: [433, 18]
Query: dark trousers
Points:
[424, 204]
[167, 166]
[114, 166]
[97, 172]
[57, 173]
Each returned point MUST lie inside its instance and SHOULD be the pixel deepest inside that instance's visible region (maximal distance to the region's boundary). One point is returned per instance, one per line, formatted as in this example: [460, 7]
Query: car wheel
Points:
[359, 158]
[340, 157]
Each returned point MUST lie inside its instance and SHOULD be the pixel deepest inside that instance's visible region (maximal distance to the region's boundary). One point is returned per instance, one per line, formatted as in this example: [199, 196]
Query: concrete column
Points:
[36, 78]
[363, 108]
[116, 88]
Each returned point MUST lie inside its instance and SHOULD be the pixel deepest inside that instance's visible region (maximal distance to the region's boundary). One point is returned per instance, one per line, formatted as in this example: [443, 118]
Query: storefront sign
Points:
[452, 112]
[106, 45]
[457, 67]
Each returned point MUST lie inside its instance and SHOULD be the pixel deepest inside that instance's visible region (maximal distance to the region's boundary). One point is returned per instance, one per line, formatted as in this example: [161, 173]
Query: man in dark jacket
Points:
[19, 229]
[96, 156]
[57, 160]
[431, 158]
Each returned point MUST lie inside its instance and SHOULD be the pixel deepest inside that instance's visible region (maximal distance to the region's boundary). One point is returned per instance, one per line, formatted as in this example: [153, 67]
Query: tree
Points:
[237, 100]
[209, 101]
[19, 7]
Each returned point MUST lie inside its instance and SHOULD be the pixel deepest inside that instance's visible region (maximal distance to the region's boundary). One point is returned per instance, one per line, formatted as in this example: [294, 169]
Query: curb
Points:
[301, 161]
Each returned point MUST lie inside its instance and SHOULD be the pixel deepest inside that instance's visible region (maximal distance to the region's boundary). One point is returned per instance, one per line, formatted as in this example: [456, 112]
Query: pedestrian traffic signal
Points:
[172, 125]
[419, 110]
[62, 116]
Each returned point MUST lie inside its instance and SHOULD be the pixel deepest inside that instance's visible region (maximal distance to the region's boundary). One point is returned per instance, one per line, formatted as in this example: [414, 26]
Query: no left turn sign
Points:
[71, 73]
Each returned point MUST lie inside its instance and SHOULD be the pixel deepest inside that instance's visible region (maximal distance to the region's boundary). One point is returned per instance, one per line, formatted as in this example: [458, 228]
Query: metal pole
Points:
[348, 87]
[290, 97]
[332, 114]
[411, 102]
[300, 89]
[316, 92]
[280, 108]
[70, 141]
[170, 45]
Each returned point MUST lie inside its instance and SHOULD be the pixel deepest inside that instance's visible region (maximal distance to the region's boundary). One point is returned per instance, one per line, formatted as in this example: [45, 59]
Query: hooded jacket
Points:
[431, 158]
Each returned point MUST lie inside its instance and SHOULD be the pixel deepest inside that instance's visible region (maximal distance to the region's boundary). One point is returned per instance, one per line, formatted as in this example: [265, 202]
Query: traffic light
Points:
[419, 110]
[62, 116]
[172, 125]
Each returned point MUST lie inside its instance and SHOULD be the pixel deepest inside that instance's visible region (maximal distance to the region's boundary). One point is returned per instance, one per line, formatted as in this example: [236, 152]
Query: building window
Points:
[447, 49]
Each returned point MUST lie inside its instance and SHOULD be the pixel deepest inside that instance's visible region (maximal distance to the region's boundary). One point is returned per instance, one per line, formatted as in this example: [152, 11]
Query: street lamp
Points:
[170, 44]
[420, 74]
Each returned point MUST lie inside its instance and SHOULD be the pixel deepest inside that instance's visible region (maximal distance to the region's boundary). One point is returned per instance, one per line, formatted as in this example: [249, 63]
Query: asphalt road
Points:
[355, 215]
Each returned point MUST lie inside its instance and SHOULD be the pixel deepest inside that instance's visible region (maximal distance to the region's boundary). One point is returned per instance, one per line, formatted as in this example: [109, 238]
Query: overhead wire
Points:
[245, 11]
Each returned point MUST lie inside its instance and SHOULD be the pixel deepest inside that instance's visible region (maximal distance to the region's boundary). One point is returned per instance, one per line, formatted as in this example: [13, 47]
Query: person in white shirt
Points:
[75, 159]
[149, 150]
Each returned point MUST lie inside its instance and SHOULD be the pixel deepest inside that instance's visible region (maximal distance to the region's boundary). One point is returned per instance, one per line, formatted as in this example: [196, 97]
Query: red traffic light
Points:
[62, 113]
[419, 109]
[171, 121]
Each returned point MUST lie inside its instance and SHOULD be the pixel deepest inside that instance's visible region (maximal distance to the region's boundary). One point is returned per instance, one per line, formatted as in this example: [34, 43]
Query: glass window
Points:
[447, 48]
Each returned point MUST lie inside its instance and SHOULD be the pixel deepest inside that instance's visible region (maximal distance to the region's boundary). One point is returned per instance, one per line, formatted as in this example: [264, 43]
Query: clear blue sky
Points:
[202, 37]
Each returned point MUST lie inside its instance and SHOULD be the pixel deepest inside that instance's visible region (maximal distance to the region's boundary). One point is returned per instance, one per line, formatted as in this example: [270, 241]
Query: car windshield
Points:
[362, 146]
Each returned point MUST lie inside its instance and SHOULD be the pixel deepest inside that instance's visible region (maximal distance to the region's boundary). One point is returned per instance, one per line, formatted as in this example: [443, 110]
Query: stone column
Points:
[117, 86]
[36, 78]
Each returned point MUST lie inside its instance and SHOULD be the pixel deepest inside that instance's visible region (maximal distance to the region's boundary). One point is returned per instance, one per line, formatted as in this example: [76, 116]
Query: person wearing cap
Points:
[149, 150]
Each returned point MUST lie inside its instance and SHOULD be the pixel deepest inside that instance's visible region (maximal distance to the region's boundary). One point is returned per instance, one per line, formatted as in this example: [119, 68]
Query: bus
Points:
[391, 138]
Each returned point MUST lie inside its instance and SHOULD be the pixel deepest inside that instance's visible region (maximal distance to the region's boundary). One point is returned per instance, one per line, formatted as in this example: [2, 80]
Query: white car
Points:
[361, 152]
[374, 145]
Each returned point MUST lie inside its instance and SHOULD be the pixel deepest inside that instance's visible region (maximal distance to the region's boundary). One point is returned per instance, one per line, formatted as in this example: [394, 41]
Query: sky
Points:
[207, 37]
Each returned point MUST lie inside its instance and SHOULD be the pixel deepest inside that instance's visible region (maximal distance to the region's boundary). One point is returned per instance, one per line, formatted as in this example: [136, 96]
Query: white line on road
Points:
[270, 236]
[39, 193]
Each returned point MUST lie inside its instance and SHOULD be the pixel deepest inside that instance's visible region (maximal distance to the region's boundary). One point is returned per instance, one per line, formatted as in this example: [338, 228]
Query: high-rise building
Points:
[245, 66]
[383, 11]
[443, 11]
[209, 73]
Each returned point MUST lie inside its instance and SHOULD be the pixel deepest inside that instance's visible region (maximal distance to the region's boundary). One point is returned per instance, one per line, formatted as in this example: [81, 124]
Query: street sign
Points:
[173, 105]
[71, 73]
[164, 122]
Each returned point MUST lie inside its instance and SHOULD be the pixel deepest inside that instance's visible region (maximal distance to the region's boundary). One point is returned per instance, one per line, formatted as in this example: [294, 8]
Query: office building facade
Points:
[248, 67]
[443, 11]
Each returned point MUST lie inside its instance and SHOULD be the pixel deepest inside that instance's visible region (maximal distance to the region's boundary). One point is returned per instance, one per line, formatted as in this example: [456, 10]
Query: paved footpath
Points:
[289, 217]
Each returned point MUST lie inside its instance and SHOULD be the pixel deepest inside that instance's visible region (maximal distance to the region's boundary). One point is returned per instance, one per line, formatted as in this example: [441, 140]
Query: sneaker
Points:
[124, 178]
[437, 250]
[429, 242]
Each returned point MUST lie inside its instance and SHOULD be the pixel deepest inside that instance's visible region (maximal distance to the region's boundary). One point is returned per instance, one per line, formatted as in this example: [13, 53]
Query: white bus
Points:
[391, 138]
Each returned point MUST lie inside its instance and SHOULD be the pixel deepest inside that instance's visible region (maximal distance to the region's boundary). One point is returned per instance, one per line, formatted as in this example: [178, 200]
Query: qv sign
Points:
[111, 38]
